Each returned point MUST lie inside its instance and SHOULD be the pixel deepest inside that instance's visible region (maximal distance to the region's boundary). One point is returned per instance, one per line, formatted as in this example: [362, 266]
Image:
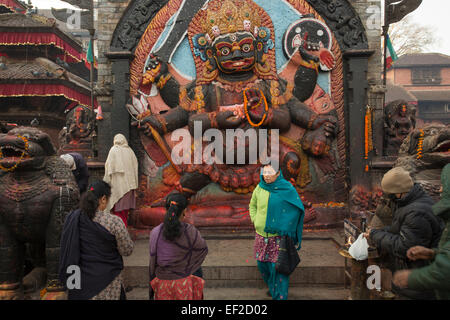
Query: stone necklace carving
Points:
[23, 188]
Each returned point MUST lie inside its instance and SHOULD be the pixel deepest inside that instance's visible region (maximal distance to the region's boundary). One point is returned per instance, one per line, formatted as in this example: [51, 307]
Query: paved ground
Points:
[295, 293]
[230, 263]
[316, 251]
[231, 274]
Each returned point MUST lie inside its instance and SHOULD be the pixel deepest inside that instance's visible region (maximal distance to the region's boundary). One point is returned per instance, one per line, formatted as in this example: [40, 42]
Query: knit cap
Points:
[69, 160]
[397, 180]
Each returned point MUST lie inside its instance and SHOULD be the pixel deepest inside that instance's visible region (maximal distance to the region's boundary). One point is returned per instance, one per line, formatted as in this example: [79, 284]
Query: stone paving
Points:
[230, 271]
[322, 292]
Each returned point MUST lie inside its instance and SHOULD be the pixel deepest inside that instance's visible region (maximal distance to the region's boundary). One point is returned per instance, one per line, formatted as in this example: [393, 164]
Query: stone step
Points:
[230, 262]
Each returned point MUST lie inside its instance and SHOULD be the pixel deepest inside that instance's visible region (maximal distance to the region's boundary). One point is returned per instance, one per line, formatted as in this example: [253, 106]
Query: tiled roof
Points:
[35, 23]
[425, 59]
[38, 69]
[432, 95]
[17, 20]
[24, 71]
[398, 92]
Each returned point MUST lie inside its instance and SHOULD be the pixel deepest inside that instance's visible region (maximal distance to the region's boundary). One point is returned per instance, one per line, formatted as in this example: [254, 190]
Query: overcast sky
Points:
[431, 12]
[435, 13]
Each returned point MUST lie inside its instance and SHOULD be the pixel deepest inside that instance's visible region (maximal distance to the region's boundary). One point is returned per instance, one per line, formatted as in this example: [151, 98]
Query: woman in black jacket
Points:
[413, 224]
[93, 242]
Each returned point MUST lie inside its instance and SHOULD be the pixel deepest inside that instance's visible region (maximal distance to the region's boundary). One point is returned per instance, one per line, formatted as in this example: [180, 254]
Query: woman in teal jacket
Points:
[275, 210]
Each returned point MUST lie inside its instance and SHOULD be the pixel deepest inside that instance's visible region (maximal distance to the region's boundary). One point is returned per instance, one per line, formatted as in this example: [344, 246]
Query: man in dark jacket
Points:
[79, 168]
[413, 224]
[437, 275]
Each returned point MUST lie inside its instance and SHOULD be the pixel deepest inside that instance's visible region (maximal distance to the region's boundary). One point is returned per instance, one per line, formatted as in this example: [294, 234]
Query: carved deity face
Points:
[403, 124]
[235, 52]
[318, 147]
[403, 127]
[247, 25]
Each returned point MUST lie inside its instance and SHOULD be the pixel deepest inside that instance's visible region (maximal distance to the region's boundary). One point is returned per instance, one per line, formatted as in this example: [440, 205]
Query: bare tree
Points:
[409, 37]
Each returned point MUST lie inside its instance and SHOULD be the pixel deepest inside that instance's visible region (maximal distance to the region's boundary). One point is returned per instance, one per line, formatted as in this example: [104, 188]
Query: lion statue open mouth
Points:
[37, 191]
[424, 153]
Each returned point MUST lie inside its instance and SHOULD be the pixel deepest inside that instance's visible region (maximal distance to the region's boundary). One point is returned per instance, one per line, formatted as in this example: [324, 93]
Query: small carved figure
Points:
[399, 121]
[77, 135]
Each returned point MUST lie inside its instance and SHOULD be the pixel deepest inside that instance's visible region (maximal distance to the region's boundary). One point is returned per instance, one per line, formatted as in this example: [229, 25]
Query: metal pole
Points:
[92, 32]
[385, 33]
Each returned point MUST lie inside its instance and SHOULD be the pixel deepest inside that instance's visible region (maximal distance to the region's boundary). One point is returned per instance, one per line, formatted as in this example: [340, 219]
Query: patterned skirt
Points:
[189, 288]
[266, 249]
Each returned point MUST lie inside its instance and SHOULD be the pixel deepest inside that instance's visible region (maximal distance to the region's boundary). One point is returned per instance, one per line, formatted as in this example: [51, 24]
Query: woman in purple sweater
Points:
[177, 250]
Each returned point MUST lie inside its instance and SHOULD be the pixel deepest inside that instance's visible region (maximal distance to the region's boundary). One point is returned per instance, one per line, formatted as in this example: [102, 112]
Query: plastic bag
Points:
[359, 250]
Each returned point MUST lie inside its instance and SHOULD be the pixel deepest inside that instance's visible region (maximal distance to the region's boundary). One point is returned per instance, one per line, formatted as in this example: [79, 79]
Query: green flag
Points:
[391, 56]
[90, 53]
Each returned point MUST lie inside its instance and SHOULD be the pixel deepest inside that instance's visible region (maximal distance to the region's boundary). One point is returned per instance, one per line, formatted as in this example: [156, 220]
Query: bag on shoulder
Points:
[288, 258]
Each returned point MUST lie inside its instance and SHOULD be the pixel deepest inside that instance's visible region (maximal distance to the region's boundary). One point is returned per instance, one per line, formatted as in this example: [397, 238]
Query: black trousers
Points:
[123, 295]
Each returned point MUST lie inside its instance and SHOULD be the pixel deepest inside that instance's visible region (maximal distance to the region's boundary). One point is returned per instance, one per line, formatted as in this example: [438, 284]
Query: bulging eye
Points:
[225, 51]
[246, 47]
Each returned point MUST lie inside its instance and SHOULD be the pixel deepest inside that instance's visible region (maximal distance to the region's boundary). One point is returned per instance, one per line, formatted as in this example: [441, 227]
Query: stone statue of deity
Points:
[399, 122]
[237, 85]
[78, 134]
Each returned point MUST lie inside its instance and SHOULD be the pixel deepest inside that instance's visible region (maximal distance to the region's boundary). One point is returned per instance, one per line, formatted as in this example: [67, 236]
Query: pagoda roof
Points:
[13, 5]
[42, 77]
[19, 29]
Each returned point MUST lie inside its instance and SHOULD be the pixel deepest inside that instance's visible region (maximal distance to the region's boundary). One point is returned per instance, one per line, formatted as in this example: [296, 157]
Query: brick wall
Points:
[402, 76]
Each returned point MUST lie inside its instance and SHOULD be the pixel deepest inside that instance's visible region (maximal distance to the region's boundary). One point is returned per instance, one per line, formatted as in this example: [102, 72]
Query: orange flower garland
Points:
[266, 109]
[329, 205]
[368, 143]
[21, 156]
[420, 144]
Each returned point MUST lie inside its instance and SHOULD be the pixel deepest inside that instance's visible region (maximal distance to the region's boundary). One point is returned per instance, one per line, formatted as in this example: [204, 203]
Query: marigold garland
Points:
[368, 142]
[266, 108]
[420, 144]
[21, 156]
[330, 205]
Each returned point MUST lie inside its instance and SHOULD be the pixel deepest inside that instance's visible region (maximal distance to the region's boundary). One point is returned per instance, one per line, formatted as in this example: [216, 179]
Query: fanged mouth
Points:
[238, 64]
[443, 147]
[12, 153]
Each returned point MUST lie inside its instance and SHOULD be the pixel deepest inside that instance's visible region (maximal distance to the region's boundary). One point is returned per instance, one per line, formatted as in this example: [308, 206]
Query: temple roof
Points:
[41, 77]
[13, 6]
[25, 21]
[20, 29]
[422, 59]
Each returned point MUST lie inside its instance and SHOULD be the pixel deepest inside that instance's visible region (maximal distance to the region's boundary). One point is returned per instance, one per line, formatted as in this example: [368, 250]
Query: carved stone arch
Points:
[343, 20]
[133, 23]
[339, 15]
[351, 38]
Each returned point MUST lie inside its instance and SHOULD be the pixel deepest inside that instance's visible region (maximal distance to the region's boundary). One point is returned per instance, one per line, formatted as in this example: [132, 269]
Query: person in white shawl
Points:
[121, 173]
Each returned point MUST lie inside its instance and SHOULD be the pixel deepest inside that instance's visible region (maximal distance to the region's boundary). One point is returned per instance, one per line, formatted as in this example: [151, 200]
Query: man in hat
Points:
[413, 224]
[436, 276]
[79, 168]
